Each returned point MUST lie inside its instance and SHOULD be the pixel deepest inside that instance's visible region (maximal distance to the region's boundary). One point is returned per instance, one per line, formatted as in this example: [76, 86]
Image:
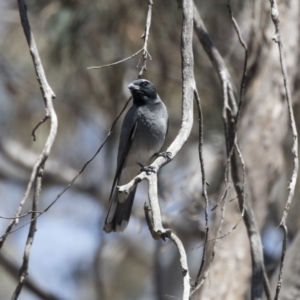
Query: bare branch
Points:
[204, 184]
[187, 101]
[231, 112]
[198, 284]
[188, 88]
[292, 184]
[215, 58]
[184, 265]
[242, 89]
[244, 45]
[145, 36]
[32, 229]
[173, 237]
[38, 170]
[48, 95]
[238, 175]
[145, 54]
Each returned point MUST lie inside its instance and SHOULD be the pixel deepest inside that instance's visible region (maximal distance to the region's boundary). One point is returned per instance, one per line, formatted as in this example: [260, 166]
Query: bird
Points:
[143, 134]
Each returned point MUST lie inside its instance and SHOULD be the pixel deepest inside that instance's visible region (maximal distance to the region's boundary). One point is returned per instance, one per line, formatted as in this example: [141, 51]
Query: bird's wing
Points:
[127, 134]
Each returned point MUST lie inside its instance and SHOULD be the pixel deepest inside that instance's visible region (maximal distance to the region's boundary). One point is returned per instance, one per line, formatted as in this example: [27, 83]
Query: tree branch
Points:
[145, 54]
[145, 36]
[153, 214]
[117, 62]
[292, 184]
[38, 169]
[204, 189]
[231, 113]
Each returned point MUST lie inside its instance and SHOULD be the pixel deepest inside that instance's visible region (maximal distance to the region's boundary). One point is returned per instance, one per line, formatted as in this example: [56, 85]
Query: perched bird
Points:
[143, 133]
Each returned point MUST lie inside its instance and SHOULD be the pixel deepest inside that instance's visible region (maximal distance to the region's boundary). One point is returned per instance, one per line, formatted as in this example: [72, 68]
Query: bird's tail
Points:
[119, 213]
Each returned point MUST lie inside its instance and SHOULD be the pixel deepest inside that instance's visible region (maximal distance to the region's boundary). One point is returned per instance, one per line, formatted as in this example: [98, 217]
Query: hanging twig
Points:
[204, 184]
[117, 62]
[145, 54]
[231, 112]
[38, 125]
[218, 236]
[293, 180]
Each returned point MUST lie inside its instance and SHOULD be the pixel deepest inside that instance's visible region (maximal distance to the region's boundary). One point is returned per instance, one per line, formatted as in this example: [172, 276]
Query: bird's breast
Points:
[149, 136]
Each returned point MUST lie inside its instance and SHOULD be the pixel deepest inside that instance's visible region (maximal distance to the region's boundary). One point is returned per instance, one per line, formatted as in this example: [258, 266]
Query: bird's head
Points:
[143, 92]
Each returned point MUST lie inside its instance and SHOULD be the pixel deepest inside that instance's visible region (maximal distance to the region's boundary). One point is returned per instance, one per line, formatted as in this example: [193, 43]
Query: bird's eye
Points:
[145, 83]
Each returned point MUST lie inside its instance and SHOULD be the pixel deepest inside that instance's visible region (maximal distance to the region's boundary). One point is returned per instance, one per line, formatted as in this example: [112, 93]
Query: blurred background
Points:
[72, 258]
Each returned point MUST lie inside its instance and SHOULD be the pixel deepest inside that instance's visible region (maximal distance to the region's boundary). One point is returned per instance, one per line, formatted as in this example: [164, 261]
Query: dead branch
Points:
[292, 184]
[204, 184]
[145, 54]
[117, 62]
[37, 173]
[153, 215]
[231, 112]
[145, 36]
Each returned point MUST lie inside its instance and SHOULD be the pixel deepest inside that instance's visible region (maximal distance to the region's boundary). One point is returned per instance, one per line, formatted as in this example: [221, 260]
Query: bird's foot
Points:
[166, 155]
[148, 169]
[165, 234]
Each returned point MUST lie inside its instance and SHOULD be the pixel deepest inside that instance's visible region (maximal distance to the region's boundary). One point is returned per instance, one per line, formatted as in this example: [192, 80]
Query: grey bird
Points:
[143, 133]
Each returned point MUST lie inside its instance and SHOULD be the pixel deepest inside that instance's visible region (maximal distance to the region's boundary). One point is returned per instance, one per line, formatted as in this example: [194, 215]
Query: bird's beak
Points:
[133, 87]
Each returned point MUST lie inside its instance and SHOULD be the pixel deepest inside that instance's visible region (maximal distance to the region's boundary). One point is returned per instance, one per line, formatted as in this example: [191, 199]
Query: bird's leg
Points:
[166, 155]
[148, 169]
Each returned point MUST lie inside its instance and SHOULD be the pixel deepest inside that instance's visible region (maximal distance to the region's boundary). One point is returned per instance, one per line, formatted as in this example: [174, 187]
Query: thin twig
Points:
[145, 54]
[244, 45]
[38, 125]
[145, 36]
[91, 159]
[32, 229]
[20, 216]
[224, 195]
[267, 286]
[117, 62]
[204, 186]
[218, 237]
[293, 180]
